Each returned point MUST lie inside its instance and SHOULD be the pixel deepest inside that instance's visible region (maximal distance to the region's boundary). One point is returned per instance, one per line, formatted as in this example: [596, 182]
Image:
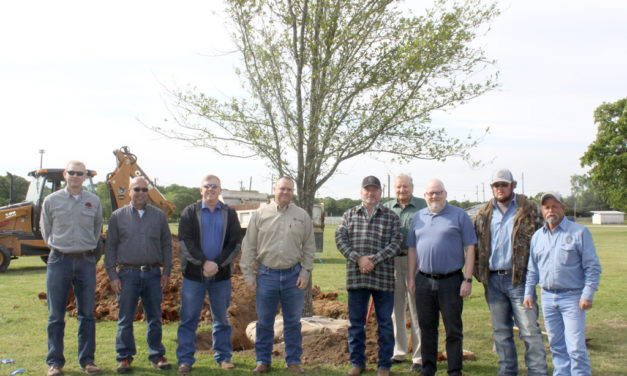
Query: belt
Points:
[74, 255]
[142, 268]
[440, 276]
[560, 290]
[502, 272]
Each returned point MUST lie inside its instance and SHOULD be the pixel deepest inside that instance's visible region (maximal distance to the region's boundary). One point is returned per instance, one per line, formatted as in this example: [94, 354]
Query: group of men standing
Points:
[513, 245]
[408, 251]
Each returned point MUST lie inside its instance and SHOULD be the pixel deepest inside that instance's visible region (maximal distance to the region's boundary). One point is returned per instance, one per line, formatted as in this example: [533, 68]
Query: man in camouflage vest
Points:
[504, 228]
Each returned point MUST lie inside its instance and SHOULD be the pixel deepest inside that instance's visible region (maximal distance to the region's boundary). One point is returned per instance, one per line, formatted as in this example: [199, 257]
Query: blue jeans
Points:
[192, 299]
[80, 273]
[435, 296]
[565, 325]
[357, 311]
[274, 286]
[506, 307]
[147, 285]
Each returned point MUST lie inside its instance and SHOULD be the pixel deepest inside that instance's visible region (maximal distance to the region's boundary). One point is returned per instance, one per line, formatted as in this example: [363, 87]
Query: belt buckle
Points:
[145, 268]
[504, 272]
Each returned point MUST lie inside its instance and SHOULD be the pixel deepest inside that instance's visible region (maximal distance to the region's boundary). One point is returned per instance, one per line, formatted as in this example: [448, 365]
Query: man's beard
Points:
[551, 218]
[437, 206]
[505, 199]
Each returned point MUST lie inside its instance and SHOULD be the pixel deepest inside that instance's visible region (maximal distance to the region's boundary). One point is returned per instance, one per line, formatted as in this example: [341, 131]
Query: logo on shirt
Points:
[88, 204]
[568, 239]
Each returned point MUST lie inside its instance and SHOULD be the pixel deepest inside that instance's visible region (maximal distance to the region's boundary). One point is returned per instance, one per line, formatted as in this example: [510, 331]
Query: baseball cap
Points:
[503, 175]
[371, 180]
[552, 194]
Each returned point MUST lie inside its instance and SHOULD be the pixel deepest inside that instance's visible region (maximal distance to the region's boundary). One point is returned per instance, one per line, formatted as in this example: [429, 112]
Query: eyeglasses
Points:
[211, 186]
[77, 173]
[500, 185]
[137, 189]
[434, 193]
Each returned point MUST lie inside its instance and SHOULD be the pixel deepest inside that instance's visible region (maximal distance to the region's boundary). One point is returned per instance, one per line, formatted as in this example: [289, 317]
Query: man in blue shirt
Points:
[563, 260]
[210, 238]
[504, 228]
[440, 241]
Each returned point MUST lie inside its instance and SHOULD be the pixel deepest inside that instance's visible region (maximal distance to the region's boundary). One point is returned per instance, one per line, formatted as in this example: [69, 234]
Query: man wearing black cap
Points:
[370, 236]
[504, 228]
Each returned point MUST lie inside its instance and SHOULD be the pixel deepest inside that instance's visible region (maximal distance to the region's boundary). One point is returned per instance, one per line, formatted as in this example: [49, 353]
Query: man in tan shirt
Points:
[280, 239]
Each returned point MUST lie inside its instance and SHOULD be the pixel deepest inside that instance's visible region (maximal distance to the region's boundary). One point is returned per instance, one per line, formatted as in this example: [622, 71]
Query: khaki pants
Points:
[401, 298]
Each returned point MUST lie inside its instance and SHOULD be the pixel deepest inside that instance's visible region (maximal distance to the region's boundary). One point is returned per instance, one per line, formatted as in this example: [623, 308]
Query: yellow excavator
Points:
[20, 234]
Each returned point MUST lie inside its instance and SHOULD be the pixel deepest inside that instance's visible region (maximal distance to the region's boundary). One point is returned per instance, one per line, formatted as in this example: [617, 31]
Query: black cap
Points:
[371, 180]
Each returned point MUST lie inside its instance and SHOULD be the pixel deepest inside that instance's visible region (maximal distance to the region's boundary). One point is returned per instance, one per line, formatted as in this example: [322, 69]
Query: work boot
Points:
[261, 368]
[383, 372]
[416, 367]
[295, 368]
[124, 366]
[355, 371]
[54, 371]
[91, 369]
[184, 369]
[161, 363]
[227, 365]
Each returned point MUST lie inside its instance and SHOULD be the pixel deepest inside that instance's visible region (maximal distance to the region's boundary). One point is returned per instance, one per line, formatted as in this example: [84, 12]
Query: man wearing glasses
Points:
[504, 228]
[71, 222]
[139, 243]
[209, 237]
[440, 241]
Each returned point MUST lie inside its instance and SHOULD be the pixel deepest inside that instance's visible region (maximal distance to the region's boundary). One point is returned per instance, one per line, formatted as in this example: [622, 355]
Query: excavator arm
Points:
[118, 182]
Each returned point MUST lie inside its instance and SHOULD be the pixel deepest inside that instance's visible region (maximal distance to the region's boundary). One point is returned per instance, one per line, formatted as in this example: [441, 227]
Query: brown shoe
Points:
[124, 366]
[184, 369]
[161, 363]
[261, 368]
[54, 371]
[383, 372]
[227, 365]
[355, 371]
[295, 368]
[91, 369]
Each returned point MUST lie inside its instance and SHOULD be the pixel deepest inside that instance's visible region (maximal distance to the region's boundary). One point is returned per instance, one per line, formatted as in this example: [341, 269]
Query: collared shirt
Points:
[71, 224]
[440, 239]
[360, 235]
[563, 260]
[135, 240]
[406, 214]
[212, 228]
[279, 238]
[501, 228]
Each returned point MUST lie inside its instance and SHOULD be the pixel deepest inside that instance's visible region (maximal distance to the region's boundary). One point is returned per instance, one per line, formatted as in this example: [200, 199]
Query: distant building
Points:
[608, 217]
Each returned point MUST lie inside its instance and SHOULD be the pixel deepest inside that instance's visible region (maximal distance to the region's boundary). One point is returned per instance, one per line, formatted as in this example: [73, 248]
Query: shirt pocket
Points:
[87, 219]
[568, 254]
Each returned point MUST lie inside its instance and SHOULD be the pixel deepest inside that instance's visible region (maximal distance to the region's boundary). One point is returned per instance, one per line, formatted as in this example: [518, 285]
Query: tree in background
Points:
[329, 80]
[20, 187]
[607, 155]
[584, 198]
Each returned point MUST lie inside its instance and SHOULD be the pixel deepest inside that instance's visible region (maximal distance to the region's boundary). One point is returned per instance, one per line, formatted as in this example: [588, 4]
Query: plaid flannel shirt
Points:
[380, 235]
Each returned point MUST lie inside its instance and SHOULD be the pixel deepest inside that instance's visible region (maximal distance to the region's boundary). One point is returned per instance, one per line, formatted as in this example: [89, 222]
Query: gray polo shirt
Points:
[135, 240]
[69, 224]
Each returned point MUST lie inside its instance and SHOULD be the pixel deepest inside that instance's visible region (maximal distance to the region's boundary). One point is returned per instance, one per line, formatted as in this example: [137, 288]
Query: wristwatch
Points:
[469, 280]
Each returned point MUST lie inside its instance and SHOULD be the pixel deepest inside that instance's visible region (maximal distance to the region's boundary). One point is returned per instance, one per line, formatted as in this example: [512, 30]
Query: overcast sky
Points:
[77, 77]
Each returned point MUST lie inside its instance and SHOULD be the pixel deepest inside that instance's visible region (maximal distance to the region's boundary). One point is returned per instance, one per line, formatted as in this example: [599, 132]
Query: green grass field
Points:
[23, 320]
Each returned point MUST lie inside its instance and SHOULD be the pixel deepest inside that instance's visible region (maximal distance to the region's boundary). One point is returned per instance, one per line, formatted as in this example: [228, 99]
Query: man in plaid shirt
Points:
[370, 236]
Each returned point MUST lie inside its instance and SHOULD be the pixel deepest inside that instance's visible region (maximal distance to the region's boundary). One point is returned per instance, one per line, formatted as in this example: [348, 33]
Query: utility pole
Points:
[477, 192]
[250, 184]
[388, 185]
[522, 181]
[483, 185]
[41, 158]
